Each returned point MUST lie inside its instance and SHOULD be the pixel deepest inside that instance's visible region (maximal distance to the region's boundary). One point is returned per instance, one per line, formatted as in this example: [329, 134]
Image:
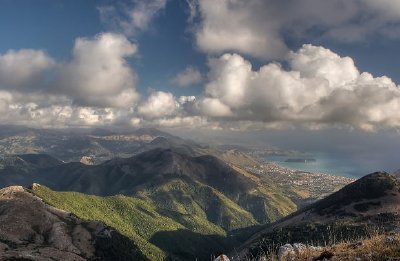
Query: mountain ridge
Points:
[372, 202]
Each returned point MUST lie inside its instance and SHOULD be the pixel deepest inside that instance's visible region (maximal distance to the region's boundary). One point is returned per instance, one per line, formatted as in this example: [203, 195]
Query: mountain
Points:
[368, 205]
[33, 230]
[71, 145]
[101, 145]
[161, 234]
[228, 196]
[168, 196]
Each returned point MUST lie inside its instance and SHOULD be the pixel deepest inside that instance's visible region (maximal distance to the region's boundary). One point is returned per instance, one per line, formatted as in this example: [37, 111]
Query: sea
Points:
[329, 163]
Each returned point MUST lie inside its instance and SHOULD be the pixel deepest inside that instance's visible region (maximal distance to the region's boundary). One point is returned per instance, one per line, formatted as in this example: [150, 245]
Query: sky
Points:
[300, 67]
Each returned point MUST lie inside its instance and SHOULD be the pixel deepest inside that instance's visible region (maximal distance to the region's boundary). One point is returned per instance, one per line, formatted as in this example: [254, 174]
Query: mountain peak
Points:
[370, 187]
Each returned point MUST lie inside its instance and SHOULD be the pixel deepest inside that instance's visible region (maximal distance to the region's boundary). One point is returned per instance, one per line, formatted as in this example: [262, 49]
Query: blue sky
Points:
[222, 64]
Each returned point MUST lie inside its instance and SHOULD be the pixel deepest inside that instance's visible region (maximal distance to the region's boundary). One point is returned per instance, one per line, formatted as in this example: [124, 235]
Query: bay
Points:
[329, 163]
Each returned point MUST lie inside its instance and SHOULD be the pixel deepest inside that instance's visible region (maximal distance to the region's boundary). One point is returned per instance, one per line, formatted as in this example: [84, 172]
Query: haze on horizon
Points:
[306, 74]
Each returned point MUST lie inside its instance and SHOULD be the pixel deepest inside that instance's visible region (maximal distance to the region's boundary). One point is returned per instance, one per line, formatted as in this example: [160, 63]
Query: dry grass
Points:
[376, 248]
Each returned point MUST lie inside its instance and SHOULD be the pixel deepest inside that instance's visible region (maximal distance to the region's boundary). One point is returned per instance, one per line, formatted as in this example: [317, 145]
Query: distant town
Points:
[318, 185]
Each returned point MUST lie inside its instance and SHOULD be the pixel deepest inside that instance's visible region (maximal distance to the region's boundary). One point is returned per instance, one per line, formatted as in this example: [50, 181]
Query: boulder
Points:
[285, 251]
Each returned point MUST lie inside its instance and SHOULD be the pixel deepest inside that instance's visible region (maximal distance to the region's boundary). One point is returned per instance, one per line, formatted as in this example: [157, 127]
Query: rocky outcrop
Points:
[222, 258]
[32, 230]
[87, 160]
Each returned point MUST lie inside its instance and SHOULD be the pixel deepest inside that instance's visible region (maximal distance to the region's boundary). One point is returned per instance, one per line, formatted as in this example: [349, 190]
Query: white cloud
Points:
[258, 27]
[321, 88]
[97, 87]
[98, 74]
[190, 76]
[142, 14]
[158, 105]
[214, 107]
[238, 26]
[187, 99]
[192, 7]
[41, 110]
[318, 62]
[23, 69]
[132, 17]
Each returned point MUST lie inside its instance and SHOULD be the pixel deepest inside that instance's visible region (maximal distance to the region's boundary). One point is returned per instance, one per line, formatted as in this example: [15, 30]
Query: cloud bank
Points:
[320, 88]
[97, 87]
[260, 27]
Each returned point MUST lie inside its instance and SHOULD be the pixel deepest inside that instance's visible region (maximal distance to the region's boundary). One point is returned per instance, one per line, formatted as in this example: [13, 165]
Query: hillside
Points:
[157, 235]
[199, 185]
[367, 206]
[33, 230]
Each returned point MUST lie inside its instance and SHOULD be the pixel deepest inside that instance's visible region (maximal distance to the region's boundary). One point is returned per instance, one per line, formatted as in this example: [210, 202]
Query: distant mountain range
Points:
[71, 145]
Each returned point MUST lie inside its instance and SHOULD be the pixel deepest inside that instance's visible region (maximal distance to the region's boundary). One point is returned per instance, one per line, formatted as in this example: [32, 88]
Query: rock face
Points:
[33, 230]
[87, 160]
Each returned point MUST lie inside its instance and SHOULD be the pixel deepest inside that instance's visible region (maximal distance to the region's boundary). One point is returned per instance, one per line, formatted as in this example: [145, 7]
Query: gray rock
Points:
[315, 248]
[299, 248]
[390, 240]
[285, 251]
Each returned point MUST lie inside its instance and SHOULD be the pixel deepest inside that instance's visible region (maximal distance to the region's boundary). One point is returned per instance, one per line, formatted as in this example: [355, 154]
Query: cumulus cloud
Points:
[158, 105]
[190, 76]
[96, 87]
[24, 69]
[132, 17]
[238, 26]
[258, 27]
[321, 88]
[98, 74]
[42, 110]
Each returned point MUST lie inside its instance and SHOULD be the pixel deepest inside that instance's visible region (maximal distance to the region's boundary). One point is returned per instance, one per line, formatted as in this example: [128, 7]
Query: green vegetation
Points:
[159, 232]
[196, 206]
[135, 218]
